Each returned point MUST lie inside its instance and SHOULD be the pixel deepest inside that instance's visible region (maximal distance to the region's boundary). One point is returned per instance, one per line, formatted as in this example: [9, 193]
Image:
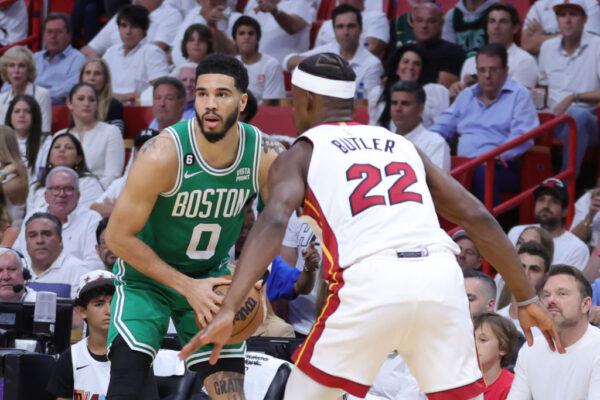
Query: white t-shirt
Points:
[568, 248]
[65, 269]
[78, 236]
[40, 160]
[274, 40]
[266, 79]
[582, 207]
[134, 71]
[193, 17]
[543, 374]
[14, 23]
[522, 67]
[542, 12]
[89, 190]
[104, 151]
[302, 313]
[90, 376]
[432, 144]
[566, 74]
[375, 25]
[41, 95]
[163, 26]
[114, 190]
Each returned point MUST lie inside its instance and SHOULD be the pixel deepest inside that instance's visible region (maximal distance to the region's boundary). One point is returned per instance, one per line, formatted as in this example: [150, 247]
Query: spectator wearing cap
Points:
[78, 224]
[550, 209]
[264, 72]
[481, 292]
[570, 67]
[544, 374]
[107, 257]
[58, 64]
[541, 25]
[50, 263]
[493, 112]
[469, 257]
[134, 63]
[13, 275]
[168, 102]
[105, 203]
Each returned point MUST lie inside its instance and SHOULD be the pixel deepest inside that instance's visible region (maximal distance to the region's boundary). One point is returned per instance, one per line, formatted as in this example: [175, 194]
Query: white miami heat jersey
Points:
[366, 188]
[90, 377]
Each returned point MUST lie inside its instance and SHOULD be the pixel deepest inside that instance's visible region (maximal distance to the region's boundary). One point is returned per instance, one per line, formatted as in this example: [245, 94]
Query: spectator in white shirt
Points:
[551, 201]
[586, 222]
[102, 143]
[217, 17]
[79, 224]
[502, 24]
[407, 103]
[543, 374]
[285, 25]
[375, 35]
[164, 21]
[347, 24]
[134, 63]
[17, 68]
[12, 277]
[264, 72]
[570, 67]
[50, 263]
[14, 22]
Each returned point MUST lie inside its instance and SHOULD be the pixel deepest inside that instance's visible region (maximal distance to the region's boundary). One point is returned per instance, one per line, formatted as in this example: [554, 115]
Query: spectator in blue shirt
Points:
[490, 113]
[58, 65]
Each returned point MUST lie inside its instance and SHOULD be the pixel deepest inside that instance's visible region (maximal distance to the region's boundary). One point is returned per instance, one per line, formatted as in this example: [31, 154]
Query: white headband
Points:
[323, 86]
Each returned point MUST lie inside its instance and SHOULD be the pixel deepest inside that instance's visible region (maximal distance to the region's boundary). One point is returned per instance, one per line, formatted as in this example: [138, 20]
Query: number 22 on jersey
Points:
[371, 176]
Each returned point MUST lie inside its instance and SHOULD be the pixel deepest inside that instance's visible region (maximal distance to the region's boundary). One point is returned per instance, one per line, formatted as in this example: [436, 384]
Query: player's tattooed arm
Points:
[225, 385]
[153, 143]
[268, 144]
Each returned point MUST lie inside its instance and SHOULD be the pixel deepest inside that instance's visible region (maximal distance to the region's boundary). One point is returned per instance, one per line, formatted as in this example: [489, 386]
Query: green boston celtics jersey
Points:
[193, 226]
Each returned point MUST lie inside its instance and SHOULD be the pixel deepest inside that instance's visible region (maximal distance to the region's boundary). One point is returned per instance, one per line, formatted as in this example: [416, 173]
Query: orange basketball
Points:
[247, 318]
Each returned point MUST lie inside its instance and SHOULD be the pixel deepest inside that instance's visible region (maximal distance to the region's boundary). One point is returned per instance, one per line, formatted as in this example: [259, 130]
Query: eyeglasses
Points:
[55, 190]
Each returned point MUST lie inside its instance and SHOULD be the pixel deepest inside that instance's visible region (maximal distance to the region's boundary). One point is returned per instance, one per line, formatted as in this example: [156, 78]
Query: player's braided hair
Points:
[328, 65]
[224, 64]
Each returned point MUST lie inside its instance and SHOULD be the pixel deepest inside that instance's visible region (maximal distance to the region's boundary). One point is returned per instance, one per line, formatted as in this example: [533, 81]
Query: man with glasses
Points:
[79, 224]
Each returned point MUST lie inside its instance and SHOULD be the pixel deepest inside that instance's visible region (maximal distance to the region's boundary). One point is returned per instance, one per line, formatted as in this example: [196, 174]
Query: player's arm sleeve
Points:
[61, 381]
[520, 389]
[280, 284]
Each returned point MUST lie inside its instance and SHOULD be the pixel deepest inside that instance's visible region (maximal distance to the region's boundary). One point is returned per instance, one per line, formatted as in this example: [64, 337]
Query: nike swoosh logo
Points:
[83, 366]
[188, 175]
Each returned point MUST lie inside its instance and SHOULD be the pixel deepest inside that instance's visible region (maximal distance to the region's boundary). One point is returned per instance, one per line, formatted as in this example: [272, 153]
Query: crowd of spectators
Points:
[460, 83]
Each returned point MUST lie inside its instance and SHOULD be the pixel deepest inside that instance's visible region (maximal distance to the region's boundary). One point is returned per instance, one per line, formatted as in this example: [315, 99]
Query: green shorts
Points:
[141, 309]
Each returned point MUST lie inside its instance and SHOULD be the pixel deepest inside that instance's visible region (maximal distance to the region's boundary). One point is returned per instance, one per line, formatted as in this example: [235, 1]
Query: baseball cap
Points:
[94, 279]
[559, 4]
[460, 234]
[555, 187]
[142, 136]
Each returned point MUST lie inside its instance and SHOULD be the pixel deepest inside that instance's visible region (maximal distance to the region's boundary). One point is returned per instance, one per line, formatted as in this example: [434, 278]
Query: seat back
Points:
[61, 289]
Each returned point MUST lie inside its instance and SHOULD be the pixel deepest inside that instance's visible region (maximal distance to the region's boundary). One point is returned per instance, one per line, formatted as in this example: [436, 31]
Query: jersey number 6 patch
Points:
[371, 176]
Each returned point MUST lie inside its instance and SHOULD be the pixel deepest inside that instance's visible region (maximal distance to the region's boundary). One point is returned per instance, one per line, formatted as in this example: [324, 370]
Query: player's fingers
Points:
[528, 335]
[549, 340]
[195, 343]
[214, 356]
[216, 299]
[554, 334]
[219, 281]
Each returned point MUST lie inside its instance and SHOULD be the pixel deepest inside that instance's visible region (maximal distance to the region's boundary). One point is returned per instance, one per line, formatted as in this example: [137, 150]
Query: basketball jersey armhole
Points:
[178, 147]
[257, 158]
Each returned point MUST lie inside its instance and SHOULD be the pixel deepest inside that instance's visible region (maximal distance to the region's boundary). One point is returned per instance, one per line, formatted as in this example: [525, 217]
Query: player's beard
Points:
[214, 137]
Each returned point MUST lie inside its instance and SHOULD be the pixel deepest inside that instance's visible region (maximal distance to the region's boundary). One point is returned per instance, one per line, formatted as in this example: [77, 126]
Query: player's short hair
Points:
[489, 286]
[174, 82]
[411, 87]
[514, 14]
[224, 64]
[494, 50]
[503, 329]
[58, 16]
[45, 215]
[136, 15]
[204, 33]
[100, 228]
[585, 289]
[537, 249]
[344, 9]
[245, 20]
[328, 65]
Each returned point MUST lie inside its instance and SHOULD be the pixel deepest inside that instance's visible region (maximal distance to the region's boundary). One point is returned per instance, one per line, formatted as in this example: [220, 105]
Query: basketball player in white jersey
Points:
[394, 283]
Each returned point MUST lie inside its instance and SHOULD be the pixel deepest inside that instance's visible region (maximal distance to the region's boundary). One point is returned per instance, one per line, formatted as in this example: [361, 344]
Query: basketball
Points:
[247, 318]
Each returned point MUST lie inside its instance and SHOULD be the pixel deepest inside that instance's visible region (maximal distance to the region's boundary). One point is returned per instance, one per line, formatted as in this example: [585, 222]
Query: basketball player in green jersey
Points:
[178, 216]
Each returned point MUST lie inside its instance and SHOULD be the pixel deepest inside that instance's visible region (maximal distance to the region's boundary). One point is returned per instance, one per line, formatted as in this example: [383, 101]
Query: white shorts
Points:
[417, 306]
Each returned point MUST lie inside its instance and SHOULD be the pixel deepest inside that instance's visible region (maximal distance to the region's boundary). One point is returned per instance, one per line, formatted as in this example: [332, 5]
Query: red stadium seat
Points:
[314, 30]
[33, 41]
[60, 118]
[136, 118]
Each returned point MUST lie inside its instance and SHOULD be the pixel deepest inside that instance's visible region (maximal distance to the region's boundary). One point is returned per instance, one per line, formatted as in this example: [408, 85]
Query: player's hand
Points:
[217, 332]
[536, 315]
[203, 300]
[594, 203]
